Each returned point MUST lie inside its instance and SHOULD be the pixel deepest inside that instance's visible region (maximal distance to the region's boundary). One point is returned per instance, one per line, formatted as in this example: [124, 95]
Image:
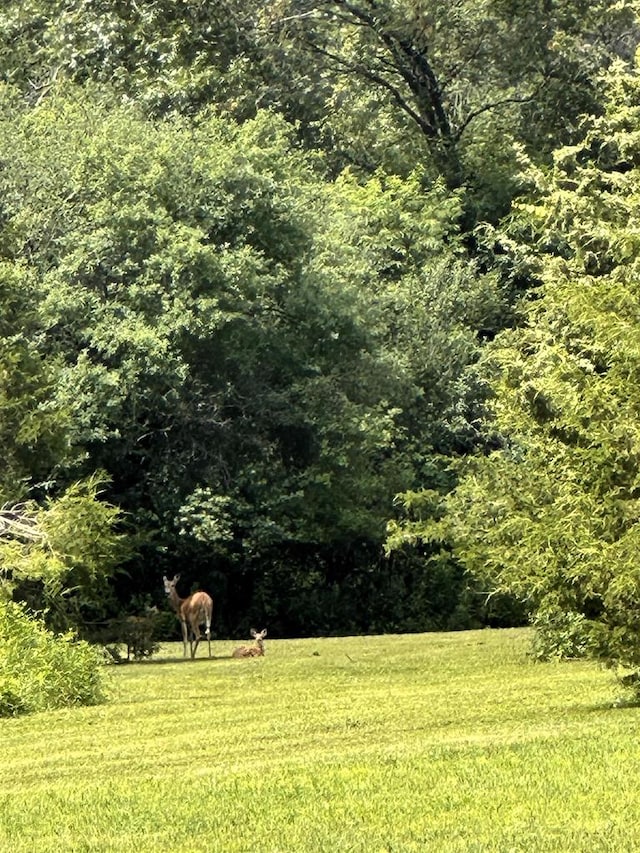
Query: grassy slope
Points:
[443, 742]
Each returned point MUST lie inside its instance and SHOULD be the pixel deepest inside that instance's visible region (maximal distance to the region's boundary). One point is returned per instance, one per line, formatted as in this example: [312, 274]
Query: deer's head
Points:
[259, 636]
[170, 585]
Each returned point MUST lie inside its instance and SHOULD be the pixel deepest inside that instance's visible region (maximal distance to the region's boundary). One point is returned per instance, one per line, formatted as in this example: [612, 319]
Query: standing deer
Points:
[252, 651]
[192, 612]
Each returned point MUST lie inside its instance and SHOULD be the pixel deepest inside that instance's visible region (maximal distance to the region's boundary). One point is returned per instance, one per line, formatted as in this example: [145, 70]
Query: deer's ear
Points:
[176, 578]
[253, 632]
[264, 632]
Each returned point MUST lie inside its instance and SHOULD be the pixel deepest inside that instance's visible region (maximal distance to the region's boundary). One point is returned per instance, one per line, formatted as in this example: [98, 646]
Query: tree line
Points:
[327, 305]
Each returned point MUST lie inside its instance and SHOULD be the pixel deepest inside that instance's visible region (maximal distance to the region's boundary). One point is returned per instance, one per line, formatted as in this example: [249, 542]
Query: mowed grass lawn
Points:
[437, 742]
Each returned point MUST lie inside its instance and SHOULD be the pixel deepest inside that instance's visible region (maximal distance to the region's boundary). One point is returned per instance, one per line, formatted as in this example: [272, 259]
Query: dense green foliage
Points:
[59, 555]
[56, 557]
[239, 342]
[260, 266]
[553, 516]
[39, 670]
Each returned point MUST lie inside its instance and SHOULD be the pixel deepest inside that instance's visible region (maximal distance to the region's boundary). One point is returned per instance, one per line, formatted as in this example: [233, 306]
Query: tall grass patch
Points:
[443, 742]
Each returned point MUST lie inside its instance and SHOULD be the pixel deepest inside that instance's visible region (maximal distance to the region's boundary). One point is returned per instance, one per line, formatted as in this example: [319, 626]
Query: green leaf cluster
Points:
[75, 547]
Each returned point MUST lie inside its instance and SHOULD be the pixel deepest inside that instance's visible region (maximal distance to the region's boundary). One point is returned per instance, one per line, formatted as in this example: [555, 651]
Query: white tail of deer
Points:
[194, 611]
[255, 651]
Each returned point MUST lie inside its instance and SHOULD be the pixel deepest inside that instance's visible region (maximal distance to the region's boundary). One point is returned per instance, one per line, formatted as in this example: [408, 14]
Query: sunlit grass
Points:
[443, 742]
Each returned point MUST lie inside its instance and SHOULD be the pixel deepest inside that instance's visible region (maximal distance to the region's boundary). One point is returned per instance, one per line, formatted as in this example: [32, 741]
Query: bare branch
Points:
[494, 105]
[299, 17]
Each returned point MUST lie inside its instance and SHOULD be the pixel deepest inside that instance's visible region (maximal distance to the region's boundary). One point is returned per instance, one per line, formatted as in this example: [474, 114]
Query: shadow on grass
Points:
[619, 703]
[177, 659]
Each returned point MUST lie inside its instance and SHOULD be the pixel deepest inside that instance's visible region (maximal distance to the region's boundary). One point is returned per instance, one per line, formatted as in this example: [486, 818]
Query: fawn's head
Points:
[259, 636]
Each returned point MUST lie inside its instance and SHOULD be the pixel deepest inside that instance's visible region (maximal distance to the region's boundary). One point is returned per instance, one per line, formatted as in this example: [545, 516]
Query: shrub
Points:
[140, 635]
[560, 634]
[40, 670]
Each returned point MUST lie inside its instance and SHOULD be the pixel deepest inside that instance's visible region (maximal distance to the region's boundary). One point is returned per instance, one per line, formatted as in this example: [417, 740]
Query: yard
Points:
[443, 742]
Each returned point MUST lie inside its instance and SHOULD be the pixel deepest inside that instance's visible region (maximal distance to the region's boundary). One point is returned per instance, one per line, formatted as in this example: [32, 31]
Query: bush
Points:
[40, 670]
[139, 634]
[560, 634]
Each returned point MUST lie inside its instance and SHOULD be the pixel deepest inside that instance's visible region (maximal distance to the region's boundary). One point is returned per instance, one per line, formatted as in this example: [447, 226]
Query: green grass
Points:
[439, 742]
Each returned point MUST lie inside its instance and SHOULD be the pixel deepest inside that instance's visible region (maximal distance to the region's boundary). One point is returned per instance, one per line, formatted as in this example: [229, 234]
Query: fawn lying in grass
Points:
[252, 651]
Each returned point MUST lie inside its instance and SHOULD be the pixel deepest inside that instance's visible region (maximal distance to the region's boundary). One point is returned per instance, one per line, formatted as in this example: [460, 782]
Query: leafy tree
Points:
[465, 78]
[170, 58]
[260, 356]
[57, 556]
[241, 342]
[553, 516]
[447, 86]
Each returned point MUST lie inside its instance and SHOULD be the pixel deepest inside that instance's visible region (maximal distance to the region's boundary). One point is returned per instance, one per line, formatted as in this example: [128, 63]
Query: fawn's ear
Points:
[253, 633]
[264, 632]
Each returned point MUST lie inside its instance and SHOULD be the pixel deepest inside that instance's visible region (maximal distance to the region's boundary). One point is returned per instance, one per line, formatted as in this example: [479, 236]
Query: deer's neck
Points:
[176, 602]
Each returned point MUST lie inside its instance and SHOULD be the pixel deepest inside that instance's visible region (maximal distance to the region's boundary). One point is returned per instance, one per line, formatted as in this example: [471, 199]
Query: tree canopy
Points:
[266, 266]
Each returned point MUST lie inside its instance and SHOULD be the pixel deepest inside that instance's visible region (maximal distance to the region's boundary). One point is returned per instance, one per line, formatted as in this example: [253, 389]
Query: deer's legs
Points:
[195, 630]
[194, 648]
[185, 634]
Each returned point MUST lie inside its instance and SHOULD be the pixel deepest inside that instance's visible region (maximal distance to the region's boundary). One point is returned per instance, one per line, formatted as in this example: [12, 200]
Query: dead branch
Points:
[19, 522]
